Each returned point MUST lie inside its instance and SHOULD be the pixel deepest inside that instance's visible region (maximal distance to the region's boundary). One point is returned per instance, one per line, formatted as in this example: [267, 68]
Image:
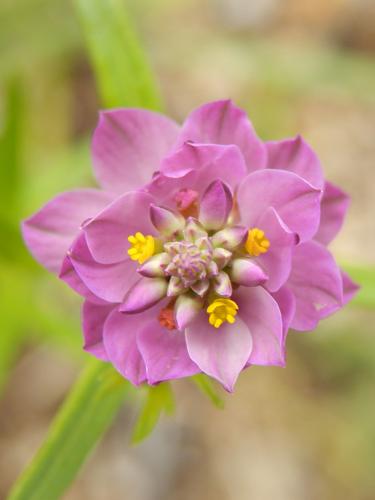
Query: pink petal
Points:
[296, 156]
[128, 145]
[216, 204]
[350, 289]
[287, 305]
[120, 341]
[295, 200]
[93, 318]
[277, 260]
[261, 314]
[164, 353]
[316, 283]
[144, 294]
[70, 276]
[221, 353]
[50, 232]
[107, 233]
[245, 272]
[194, 167]
[166, 221]
[334, 206]
[110, 282]
[221, 122]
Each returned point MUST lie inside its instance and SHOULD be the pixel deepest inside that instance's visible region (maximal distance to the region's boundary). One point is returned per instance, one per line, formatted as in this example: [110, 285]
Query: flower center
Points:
[190, 261]
[256, 242]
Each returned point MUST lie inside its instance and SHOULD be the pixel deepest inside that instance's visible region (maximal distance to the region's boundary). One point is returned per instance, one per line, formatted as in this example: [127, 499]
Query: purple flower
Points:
[203, 247]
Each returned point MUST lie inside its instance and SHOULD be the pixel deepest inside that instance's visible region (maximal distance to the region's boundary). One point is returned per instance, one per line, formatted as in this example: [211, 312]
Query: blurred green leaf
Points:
[206, 385]
[122, 73]
[84, 417]
[365, 277]
[158, 399]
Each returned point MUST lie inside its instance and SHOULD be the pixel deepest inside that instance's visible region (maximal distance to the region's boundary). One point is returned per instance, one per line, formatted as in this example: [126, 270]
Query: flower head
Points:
[203, 247]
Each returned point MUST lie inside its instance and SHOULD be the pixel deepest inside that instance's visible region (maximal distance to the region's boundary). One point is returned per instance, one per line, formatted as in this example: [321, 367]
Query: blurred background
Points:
[306, 431]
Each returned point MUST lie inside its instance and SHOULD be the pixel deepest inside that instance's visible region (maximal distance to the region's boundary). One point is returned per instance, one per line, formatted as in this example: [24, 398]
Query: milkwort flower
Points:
[202, 248]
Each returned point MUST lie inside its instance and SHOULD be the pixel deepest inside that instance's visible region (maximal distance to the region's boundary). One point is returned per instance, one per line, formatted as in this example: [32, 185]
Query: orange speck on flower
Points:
[166, 318]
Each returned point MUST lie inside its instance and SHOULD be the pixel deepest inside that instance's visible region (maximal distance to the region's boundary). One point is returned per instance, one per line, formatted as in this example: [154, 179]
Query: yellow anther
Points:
[143, 247]
[256, 242]
[221, 310]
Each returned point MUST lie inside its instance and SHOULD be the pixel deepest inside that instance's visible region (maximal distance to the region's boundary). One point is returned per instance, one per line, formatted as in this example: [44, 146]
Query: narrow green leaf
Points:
[365, 277]
[122, 73]
[158, 399]
[207, 387]
[83, 419]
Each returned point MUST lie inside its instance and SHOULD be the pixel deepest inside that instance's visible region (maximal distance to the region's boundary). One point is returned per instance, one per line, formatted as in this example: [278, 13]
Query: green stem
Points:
[84, 417]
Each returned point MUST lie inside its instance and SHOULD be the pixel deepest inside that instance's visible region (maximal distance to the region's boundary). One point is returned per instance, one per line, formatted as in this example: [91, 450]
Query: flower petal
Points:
[164, 353]
[316, 283]
[70, 276]
[350, 289]
[93, 319]
[107, 233]
[221, 122]
[120, 342]
[221, 353]
[287, 305]
[144, 294]
[262, 316]
[334, 206]
[296, 156]
[215, 206]
[50, 232]
[166, 221]
[186, 309]
[277, 260]
[110, 282]
[128, 145]
[295, 200]
[245, 272]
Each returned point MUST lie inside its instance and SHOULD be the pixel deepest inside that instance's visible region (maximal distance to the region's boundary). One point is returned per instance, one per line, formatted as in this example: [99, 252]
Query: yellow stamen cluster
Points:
[221, 310]
[256, 242]
[143, 247]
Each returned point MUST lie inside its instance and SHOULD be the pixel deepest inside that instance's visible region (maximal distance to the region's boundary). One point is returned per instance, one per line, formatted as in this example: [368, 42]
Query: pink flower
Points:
[203, 247]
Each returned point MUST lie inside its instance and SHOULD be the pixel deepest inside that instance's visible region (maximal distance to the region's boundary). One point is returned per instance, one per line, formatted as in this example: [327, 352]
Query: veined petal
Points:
[93, 319]
[144, 294]
[334, 206]
[128, 145]
[296, 156]
[221, 353]
[221, 122]
[164, 353]
[215, 206]
[316, 283]
[296, 201]
[50, 232]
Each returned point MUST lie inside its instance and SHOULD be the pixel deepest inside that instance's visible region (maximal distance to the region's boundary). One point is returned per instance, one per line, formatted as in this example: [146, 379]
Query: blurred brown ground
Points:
[304, 432]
